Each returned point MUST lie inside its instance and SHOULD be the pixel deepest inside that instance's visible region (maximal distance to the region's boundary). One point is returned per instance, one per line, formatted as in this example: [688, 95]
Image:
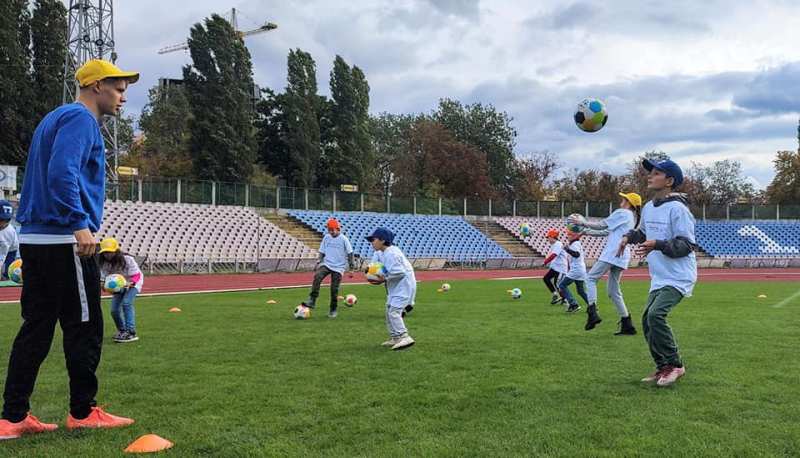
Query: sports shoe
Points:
[407, 310]
[29, 425]
[593, 318]
[652, 378]
[573, 308]
[555, 300]
[626, 327]
[118, 335]
[390, 342]
[98, 418]
[403, 343]
[332, 314]
[126, 337]
[670, 375]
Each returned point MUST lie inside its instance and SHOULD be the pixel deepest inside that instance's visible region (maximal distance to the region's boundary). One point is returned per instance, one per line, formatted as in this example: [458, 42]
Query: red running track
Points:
[184, 284]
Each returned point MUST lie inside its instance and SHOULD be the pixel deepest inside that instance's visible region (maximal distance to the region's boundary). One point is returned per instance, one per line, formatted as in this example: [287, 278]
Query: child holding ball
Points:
[401, 287]
[114, 261]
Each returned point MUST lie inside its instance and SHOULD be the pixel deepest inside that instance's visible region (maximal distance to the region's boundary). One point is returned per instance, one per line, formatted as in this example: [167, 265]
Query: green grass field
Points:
[489, 376]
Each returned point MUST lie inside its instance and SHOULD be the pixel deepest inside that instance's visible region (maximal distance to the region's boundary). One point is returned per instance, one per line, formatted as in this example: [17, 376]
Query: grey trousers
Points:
[614, 291]
[394, 322]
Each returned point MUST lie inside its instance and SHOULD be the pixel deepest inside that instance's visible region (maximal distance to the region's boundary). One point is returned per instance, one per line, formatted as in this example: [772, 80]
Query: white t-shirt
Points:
[401, 283]
[665, 222]
[335, 250]
[577, 266]
[619, 223]
[8, 242]
[559, 263]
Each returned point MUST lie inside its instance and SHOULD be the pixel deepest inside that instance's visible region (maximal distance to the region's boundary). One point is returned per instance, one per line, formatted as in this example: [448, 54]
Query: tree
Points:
[348, 158]
[301, 108]
[785, 186]
[49, 36]
[489, 131]
[389, 134]
[532, 173]
[588, 185]
[218, 87]
[164, 150]
[16, 109]
[421, 170]
[273, 151]
[636, 179]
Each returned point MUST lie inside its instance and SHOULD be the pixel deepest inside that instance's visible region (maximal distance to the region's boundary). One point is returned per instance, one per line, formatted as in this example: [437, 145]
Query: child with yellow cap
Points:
[114, 261]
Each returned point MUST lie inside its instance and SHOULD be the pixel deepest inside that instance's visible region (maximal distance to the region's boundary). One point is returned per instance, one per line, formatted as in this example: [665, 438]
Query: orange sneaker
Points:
[98, 418]
[30, 425]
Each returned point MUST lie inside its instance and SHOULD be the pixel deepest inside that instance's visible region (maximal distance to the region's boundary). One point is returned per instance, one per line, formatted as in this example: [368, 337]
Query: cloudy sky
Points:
[701, 81]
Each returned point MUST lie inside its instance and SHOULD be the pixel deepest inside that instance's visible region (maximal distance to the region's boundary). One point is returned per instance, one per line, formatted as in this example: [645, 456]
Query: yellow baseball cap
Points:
[633, 198]
[98, 69]
[109, 245]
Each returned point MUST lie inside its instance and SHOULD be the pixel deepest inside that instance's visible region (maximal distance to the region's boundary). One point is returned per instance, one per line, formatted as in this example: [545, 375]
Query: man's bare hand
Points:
[86, 243]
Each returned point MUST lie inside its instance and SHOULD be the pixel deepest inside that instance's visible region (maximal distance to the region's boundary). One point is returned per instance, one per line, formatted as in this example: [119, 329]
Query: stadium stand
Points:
[419, 236]
[166, 232]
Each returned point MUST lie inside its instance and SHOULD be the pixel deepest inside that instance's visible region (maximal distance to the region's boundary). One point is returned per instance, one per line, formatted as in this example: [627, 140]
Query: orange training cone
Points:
[174, 309]
[148, 443]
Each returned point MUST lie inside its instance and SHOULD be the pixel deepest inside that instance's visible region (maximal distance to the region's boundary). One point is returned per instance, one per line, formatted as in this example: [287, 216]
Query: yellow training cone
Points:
[174, 309]
[341, 298]
[148, 443]
[762, 296]
[440, 290]
[272, 301]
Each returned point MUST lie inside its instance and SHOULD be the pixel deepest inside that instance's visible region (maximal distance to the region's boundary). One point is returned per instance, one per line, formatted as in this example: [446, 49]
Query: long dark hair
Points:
[638, 212]
[115, 264]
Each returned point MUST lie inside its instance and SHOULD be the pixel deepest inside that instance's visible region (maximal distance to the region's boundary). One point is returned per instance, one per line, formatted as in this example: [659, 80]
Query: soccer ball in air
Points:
[301, 312]
[15, 271]
[115, 283]
[525, 229]
[591, 115]
[576, 223]
[350, 300]
[375, 273]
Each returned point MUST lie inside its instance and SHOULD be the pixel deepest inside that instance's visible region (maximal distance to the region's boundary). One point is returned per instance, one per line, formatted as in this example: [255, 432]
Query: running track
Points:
[185, 284]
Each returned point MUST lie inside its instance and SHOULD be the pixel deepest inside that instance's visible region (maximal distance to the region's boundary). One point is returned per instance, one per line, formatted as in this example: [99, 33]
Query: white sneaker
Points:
[390, 342]
[332, 314]
[403, 343]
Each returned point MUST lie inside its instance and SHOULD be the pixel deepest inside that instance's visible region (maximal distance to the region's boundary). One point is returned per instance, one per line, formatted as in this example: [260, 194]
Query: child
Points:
[576, 272]
[666, 237]
[9, 241]
[401, 287]
[335, 256]
[622, 220]
[114, 261]
[557, 259]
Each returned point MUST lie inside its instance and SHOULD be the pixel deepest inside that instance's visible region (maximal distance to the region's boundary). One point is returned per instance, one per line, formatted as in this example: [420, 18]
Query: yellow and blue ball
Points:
[115, 283]
[15, 271]
[375, 273]
[525, 229]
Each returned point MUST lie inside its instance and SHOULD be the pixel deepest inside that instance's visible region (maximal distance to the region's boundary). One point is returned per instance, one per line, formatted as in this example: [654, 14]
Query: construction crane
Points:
[266, 27]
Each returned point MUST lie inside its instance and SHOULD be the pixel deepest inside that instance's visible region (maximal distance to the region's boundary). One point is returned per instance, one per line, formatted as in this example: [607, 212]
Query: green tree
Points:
[785, 186]
[301, 108]
[487, 129]
[218, 87]
[636, 179]
[390, 134]
[532, 175]
[164, 150]
[16, 109]
[49, 37]
[348, 156]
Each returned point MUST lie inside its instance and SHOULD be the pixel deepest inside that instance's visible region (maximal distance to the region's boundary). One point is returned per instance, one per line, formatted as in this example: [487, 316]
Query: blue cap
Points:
[6, 210]
[670, 169]
[382, 233]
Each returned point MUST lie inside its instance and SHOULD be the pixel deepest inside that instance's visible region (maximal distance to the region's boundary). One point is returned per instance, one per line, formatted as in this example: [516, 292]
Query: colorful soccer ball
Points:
[445, 286]
[115, 283]
[15, 271]
[516, 293]
[576, 223]
[350, 300]
[375, 273]
[301, 312]
[591, 115]
[525, 229]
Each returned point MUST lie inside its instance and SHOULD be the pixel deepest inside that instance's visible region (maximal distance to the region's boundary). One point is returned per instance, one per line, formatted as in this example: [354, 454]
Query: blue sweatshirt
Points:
[64, 185]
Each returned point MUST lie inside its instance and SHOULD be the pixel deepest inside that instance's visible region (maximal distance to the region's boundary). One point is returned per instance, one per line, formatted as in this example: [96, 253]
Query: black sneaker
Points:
[555, 300]
[626, 327]
[118, 335]
[407, 310]
[593, 318]
[310, 305]
[573, 308]
[128, 337]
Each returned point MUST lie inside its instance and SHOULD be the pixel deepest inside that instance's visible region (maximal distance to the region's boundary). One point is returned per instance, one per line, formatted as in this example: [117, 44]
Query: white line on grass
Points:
[787, 300]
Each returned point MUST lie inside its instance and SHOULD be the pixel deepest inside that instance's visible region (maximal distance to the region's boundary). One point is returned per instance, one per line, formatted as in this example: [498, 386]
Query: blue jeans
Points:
[563, 287]
[125, 319]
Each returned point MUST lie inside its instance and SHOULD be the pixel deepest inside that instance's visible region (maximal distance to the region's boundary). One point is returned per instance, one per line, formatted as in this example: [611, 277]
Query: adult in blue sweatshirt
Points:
[666, 237]
[61, 208]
